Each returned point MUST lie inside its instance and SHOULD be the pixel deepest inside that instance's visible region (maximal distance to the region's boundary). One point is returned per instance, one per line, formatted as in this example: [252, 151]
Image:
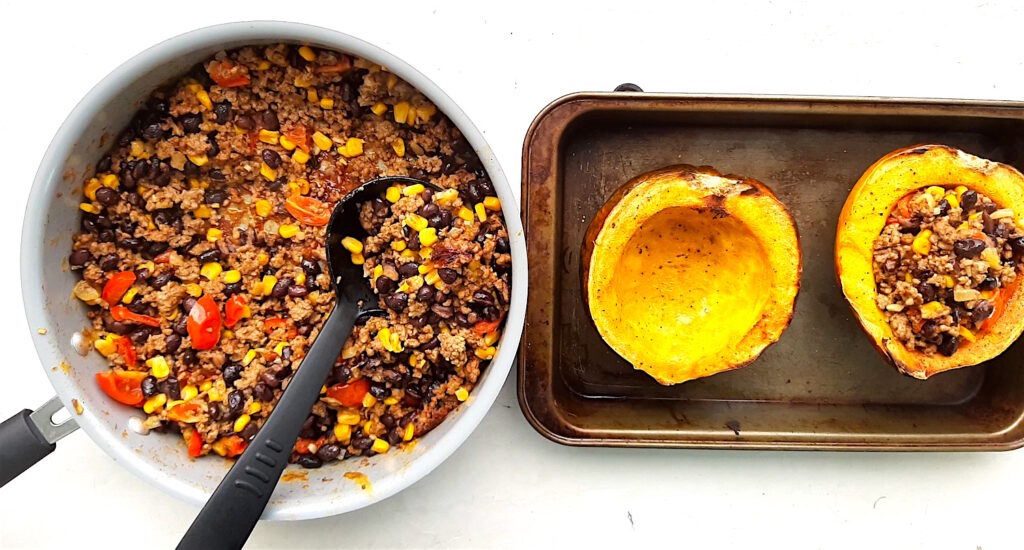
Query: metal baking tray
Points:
[822, 385]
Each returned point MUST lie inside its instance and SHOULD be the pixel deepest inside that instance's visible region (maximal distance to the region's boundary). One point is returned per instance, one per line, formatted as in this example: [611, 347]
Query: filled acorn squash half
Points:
[687, 272]
[928, 254]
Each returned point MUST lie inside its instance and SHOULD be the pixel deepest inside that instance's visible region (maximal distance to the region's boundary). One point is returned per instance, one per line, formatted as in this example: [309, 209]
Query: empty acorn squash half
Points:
[982, 203]
[688, 273]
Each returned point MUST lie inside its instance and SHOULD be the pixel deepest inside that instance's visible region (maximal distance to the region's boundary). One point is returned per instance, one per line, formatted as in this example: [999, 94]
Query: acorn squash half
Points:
[688, 273]
[863, 218]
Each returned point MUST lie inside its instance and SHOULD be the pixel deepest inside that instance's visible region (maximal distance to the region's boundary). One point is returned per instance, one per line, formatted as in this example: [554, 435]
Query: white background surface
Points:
[507, 486]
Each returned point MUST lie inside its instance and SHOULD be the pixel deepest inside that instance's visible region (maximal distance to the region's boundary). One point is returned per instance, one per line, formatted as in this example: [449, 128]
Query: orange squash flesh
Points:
[863, 217]
[688, 273]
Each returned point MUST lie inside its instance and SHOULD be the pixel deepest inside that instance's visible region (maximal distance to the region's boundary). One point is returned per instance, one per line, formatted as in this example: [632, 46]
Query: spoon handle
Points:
[230, 515]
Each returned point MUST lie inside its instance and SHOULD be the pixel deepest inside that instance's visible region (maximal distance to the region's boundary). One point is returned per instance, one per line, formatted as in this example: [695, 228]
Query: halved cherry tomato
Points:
[184, 412]
[297, 135]
[483, 327]
[127, 351]
[234, 445]
[204, 323]
[351, 394]
[122, 386]
[121, 313]
[308, 210]
[117, 285]
[341, 66]
[234, 310]
[228, 75]
[195, 444]
[274, 323]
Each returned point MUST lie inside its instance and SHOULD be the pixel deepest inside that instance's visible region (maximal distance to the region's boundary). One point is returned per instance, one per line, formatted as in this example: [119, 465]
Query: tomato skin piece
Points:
[297, 135]
[351, 394]
[184, 412]
[228, 75]
[308, 210]
[274, 323]
[121, 313]
[235, 445]
[483, 327]
[204, 323]
[127, 351]
[117, 285]
[122, 386]
[195, 445]
[343, 64]
[234, 310]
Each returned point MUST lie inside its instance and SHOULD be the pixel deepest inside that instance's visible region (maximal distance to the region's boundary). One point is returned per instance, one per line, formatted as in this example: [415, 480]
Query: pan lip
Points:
[41, 202]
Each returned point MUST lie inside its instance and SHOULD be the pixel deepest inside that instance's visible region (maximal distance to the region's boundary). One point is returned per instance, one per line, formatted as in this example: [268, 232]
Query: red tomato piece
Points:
[483, 327]
[163, 258]
[204, 323]
[195, 444]
[121, 313]
[297, 135]
[117, 285]
[308, 210]
[234, 310]
[351, 394]
[127, 351]
[184, 412]
[122, 386]
[343, 65]
[227, 74]
[274, 323]
[234, 445]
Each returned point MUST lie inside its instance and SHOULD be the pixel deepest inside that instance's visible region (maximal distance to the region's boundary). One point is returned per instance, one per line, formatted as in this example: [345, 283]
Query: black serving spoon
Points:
[230, 515]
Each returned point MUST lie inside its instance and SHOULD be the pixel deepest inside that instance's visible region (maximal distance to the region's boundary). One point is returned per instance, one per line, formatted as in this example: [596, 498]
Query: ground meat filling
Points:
[201, 254]
[943, 265]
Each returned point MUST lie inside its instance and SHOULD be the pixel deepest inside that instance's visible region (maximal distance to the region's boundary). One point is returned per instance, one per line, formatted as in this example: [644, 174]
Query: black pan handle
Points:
[230, 515]
[28, 437]
[628, 87]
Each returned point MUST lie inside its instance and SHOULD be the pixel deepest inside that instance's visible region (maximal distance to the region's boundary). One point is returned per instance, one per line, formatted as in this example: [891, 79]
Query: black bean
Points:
[188, 303]
[222, 111]
[309, 461]
[149, 388]
[949, 341]
[109, 262]
[482, 297]
[233, 288]
[968, 248]
[463, 320]
[104, 164]
[982, 310]
[989, 283]
[270, 121]
[384, 285]
[362, 442]
[190, 123]
[217, 175]
[250, 431]
[103, 222]
[968, 200]
[429, 209]
[138, 306]
[446, 218]
[106, 236]
[171, 387]
[190, 357]
[431, 344]
[79, 257]
[987, 223]
[1017, 245]
[328, 452]
[310, 267]
[216, 196]
[943, 208]
[425, 294]
[271, 157]
[270, 380]
[409, 269]
[281, 288]
[492, 313]
[954, 309]
[236, 402]
[88, 223]
[378, 390]
[442, 311]
[155, 249]
[231, 373]
[380, 208]
[297, 291]
[245, 122]
[262, 392]
[448, 275]
[395, 436]
[502, 246]
[396, 301]
[418, 322]
[181, 325]
[153, 132]
[172, 342]
[413, 243]
[214, 149]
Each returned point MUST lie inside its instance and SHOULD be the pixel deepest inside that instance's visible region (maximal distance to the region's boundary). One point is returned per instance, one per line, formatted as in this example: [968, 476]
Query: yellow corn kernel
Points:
[396, 345]
[428, 236]
[174, 403]
[255, 407]
[424, 112]
[268, 284]
[241, 422]
[962, 227]
[300, 279]
[203, 212]
[269, 137]
[300, 156]
[369, 400]
[380, 446]
[307, 53]
[312, 95]
[348, 417]
[953, 201]
[432, 278]
[199, 160]
[343, 433]
[407, 254]
[466, 214]
[288, 230]
[960, 190]
[384, 337]
[922, 242]
[401, 111]
[974, 216]
[390, 401]
[988, 294]
[358, 259]
[326, 103]
[399, 146]
[288, 144]
[105, 345]
[158, 367]
[966, 334]
[232, 276]
[249, 357]
[991, 255]
[474, 265]
[398, 246]
[481, 212]
[378, 271]
[205, 386]
[415, 282]
[262, 258]
[461, 394]
[379, 108]
[263, 65]
[393, 194]
[368, 426]
[490, 338]
[189, 392]
[227, 334]
[302, 81]
[264, 207]
[353, 148]
[410, 118]
[110, 180]
[404, 287]
[414, 189]
[211, 270]
[446, 197]
[154, 403]
[931, 310]
[354, 246]
[485, 353]
[130, 295]
[216, 393]
[948, 281]
[936, 192]
[908, 278]
[322, 141]
[267, 172]
[280, 347]
[90, 188]
[89, 207]
[410, 431]
[213, 234]
[492, 203]
[194, 290]
[204, 98]
[416, 222]
[425, 268]
[138, 150]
